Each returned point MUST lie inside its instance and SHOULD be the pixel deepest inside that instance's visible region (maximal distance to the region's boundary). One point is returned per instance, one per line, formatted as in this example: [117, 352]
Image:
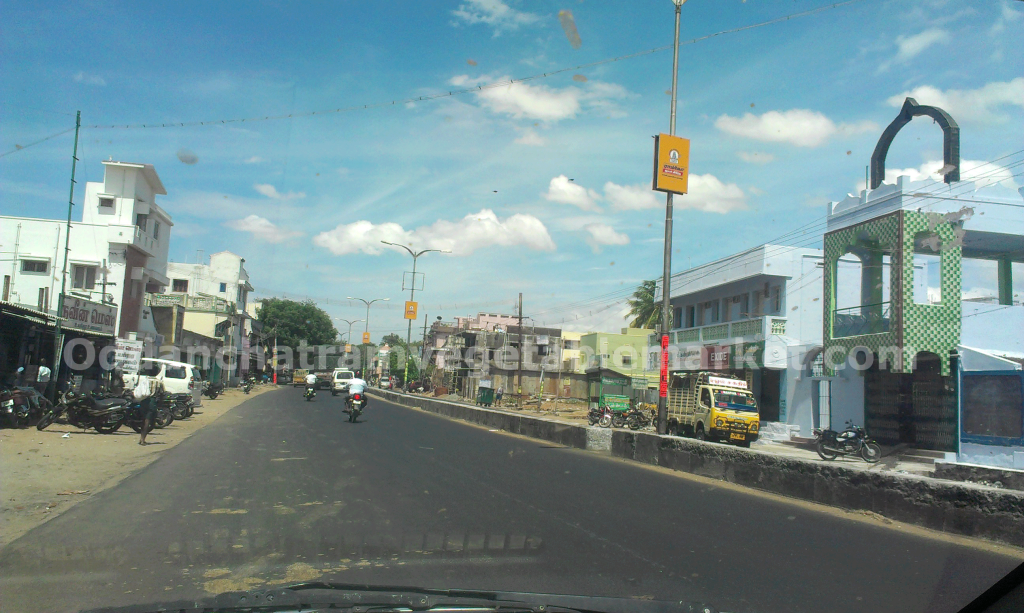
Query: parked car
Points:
[177, 377]
[385, 383]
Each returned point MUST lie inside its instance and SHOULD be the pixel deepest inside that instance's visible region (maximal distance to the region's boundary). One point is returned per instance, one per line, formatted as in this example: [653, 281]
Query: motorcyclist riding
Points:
[356, 386]
[311, 382]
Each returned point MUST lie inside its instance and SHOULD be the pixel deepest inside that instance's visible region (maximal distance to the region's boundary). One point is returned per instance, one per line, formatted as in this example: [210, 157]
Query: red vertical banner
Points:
[663, 385]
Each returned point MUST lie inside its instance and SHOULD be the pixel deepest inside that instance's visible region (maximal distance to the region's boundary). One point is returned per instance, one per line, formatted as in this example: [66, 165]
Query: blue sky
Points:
[781, 119]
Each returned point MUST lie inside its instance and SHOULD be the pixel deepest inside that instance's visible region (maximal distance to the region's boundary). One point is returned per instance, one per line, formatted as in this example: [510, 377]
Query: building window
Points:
[141, 220]
[691, 314]
[677, 317]
[44, 299]
[83, 277]
[627, 360]
[711, 312]
[776, 299]
[106, 203]
[7, 288]
[37, 266]
[156, 229]
[223, 287]
[758, 304]
[179, 285]
[927, 268]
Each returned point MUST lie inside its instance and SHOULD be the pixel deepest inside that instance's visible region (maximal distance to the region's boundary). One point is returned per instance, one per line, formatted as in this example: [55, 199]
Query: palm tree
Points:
[646, 312]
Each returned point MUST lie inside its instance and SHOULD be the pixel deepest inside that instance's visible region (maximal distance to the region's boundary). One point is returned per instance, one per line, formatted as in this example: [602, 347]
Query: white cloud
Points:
[800, 127]
[561, 189]
[756, 157]
[540, 102]
[1007, 16]
[89, 79]
[254, 160]
[270, 191]
[969, 104]
[494, 13]
[262, 228]
[707, 193]
[984, 174]
[909, 47]
[530, 137]
[631, 197]
[463, 237]
[603, 234]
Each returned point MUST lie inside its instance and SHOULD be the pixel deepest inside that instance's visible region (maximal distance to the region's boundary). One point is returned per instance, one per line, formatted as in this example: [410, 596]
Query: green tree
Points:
[643, 308]
[292, 322]
[393, 340]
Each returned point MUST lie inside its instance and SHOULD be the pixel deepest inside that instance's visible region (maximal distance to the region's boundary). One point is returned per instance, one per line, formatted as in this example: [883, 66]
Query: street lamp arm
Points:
[399, 245]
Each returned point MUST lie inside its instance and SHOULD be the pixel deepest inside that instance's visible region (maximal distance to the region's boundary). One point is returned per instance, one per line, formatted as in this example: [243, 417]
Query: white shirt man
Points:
[310, 380]
[356, 386]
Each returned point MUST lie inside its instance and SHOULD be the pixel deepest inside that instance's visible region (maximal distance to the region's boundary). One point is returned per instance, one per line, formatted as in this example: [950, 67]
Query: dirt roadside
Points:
[43, 474]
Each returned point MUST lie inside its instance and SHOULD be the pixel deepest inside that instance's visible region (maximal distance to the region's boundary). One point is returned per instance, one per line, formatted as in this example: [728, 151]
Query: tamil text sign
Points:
[128, 354]
[88, 315]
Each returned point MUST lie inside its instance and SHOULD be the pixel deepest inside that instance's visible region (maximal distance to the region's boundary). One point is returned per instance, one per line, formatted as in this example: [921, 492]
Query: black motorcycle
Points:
[164, 414]
[21, 407]
[88, 411]
[637, 418]
[600, 417]
[851, 441]
[181, 406]
[248, 384]
[212, 390]
[355, 403]
[310, 393]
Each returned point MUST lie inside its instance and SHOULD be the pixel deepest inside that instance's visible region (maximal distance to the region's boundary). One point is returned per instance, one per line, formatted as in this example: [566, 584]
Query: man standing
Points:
[498, 393]
[43, 377]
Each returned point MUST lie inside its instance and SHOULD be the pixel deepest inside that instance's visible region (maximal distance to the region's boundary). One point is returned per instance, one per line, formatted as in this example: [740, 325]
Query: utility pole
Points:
[519, 384]
[423, 346]
[58, 331]
[666, 281]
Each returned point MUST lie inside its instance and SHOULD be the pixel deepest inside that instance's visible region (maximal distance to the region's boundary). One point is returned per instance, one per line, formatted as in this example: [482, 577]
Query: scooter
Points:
[310, 393]
[851, 441]
[212, 390]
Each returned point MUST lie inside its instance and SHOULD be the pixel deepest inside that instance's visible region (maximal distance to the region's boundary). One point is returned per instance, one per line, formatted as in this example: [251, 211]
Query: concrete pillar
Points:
[1005, 280]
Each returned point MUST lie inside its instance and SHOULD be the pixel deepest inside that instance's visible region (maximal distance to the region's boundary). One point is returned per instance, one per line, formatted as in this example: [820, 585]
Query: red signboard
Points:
[663, 384]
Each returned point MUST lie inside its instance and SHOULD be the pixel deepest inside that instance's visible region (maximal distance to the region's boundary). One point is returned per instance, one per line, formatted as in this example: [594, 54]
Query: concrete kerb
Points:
[957, 508]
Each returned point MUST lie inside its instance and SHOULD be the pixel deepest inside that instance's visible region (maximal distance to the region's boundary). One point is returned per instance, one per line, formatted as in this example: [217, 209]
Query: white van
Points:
[177, 377]
[340, 379]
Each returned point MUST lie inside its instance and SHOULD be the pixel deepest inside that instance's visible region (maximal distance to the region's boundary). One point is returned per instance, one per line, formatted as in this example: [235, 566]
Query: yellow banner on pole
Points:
[410, 309]
[671, 163]
[366, 338]
[348, 347]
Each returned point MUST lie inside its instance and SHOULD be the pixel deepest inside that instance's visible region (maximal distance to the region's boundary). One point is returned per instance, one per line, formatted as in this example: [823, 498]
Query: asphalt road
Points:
[281, 490]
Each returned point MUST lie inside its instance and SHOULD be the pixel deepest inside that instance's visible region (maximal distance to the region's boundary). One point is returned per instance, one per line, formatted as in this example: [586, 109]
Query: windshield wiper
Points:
[355, 598]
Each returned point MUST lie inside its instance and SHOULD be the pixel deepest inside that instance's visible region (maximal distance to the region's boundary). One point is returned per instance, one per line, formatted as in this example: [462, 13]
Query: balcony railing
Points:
[746, 328]
[860, 320]
[198, 303]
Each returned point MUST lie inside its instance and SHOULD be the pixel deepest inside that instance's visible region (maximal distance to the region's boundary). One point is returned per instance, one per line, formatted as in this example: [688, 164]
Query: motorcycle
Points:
[247, 385]
[600, 417]
[851, 441]
[88, 411]
[180, 406]
[637, 418]
[355, 404]
[310, 393]
[135, 419]
[20, 407]
[212, 390]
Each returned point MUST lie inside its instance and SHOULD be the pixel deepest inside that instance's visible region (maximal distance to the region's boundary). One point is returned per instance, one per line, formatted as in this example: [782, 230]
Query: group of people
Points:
[355, 386]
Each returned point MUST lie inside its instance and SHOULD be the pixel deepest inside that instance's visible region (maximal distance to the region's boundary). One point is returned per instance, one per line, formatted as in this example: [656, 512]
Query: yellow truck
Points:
[712, 406]
[299, 376]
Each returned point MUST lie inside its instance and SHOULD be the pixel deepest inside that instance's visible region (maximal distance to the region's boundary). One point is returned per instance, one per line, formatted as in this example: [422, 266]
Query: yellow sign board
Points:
[410, 310]
[671, 163]
[348, 347]
[366, 338]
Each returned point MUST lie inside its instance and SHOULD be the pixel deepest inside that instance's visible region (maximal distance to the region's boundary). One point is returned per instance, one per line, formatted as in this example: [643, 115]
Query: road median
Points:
[956, 508]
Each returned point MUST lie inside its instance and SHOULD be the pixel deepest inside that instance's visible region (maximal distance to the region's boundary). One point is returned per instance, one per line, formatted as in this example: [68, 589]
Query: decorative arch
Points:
[950, 140]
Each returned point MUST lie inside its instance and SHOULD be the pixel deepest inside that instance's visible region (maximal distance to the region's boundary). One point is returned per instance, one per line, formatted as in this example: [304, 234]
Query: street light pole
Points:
[348, 337]
[666, 281]
[412, 295]
[366, 329]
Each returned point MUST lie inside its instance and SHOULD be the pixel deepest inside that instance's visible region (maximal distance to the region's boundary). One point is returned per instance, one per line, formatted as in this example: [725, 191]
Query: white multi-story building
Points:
[756, 314]
[215, 297]
[118, 251]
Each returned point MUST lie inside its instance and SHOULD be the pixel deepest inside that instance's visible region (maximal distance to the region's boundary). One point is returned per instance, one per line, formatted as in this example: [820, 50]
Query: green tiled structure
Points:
[898, 330]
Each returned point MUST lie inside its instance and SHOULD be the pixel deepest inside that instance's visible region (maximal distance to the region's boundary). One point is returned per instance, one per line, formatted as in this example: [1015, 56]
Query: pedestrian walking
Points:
[42, 377]
[145, 394]
[498, 393]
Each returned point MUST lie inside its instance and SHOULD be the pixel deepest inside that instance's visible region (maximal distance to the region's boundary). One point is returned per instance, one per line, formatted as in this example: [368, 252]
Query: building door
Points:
[771, 394]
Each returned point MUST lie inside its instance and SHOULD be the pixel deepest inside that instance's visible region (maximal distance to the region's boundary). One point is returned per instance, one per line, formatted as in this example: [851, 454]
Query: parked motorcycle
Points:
[88, 411]
[355, 403]
[851, 441]
[247, 385]
[637, 418]
[180, 406]
[310, 393]
[212, 390]
[135, 419]
[600, 416]
[20, 407]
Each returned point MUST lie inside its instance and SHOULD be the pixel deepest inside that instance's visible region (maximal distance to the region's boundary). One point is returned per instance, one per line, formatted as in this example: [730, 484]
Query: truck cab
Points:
[713, 407]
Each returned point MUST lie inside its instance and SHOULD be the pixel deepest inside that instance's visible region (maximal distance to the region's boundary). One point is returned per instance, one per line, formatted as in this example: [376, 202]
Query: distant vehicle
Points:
[339, 380]
[299, 376]
[385, 383]
[712, 406]
[177, 377]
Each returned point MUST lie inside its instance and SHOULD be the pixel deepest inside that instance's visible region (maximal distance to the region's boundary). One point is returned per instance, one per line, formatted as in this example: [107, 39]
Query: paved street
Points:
[281, 490]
